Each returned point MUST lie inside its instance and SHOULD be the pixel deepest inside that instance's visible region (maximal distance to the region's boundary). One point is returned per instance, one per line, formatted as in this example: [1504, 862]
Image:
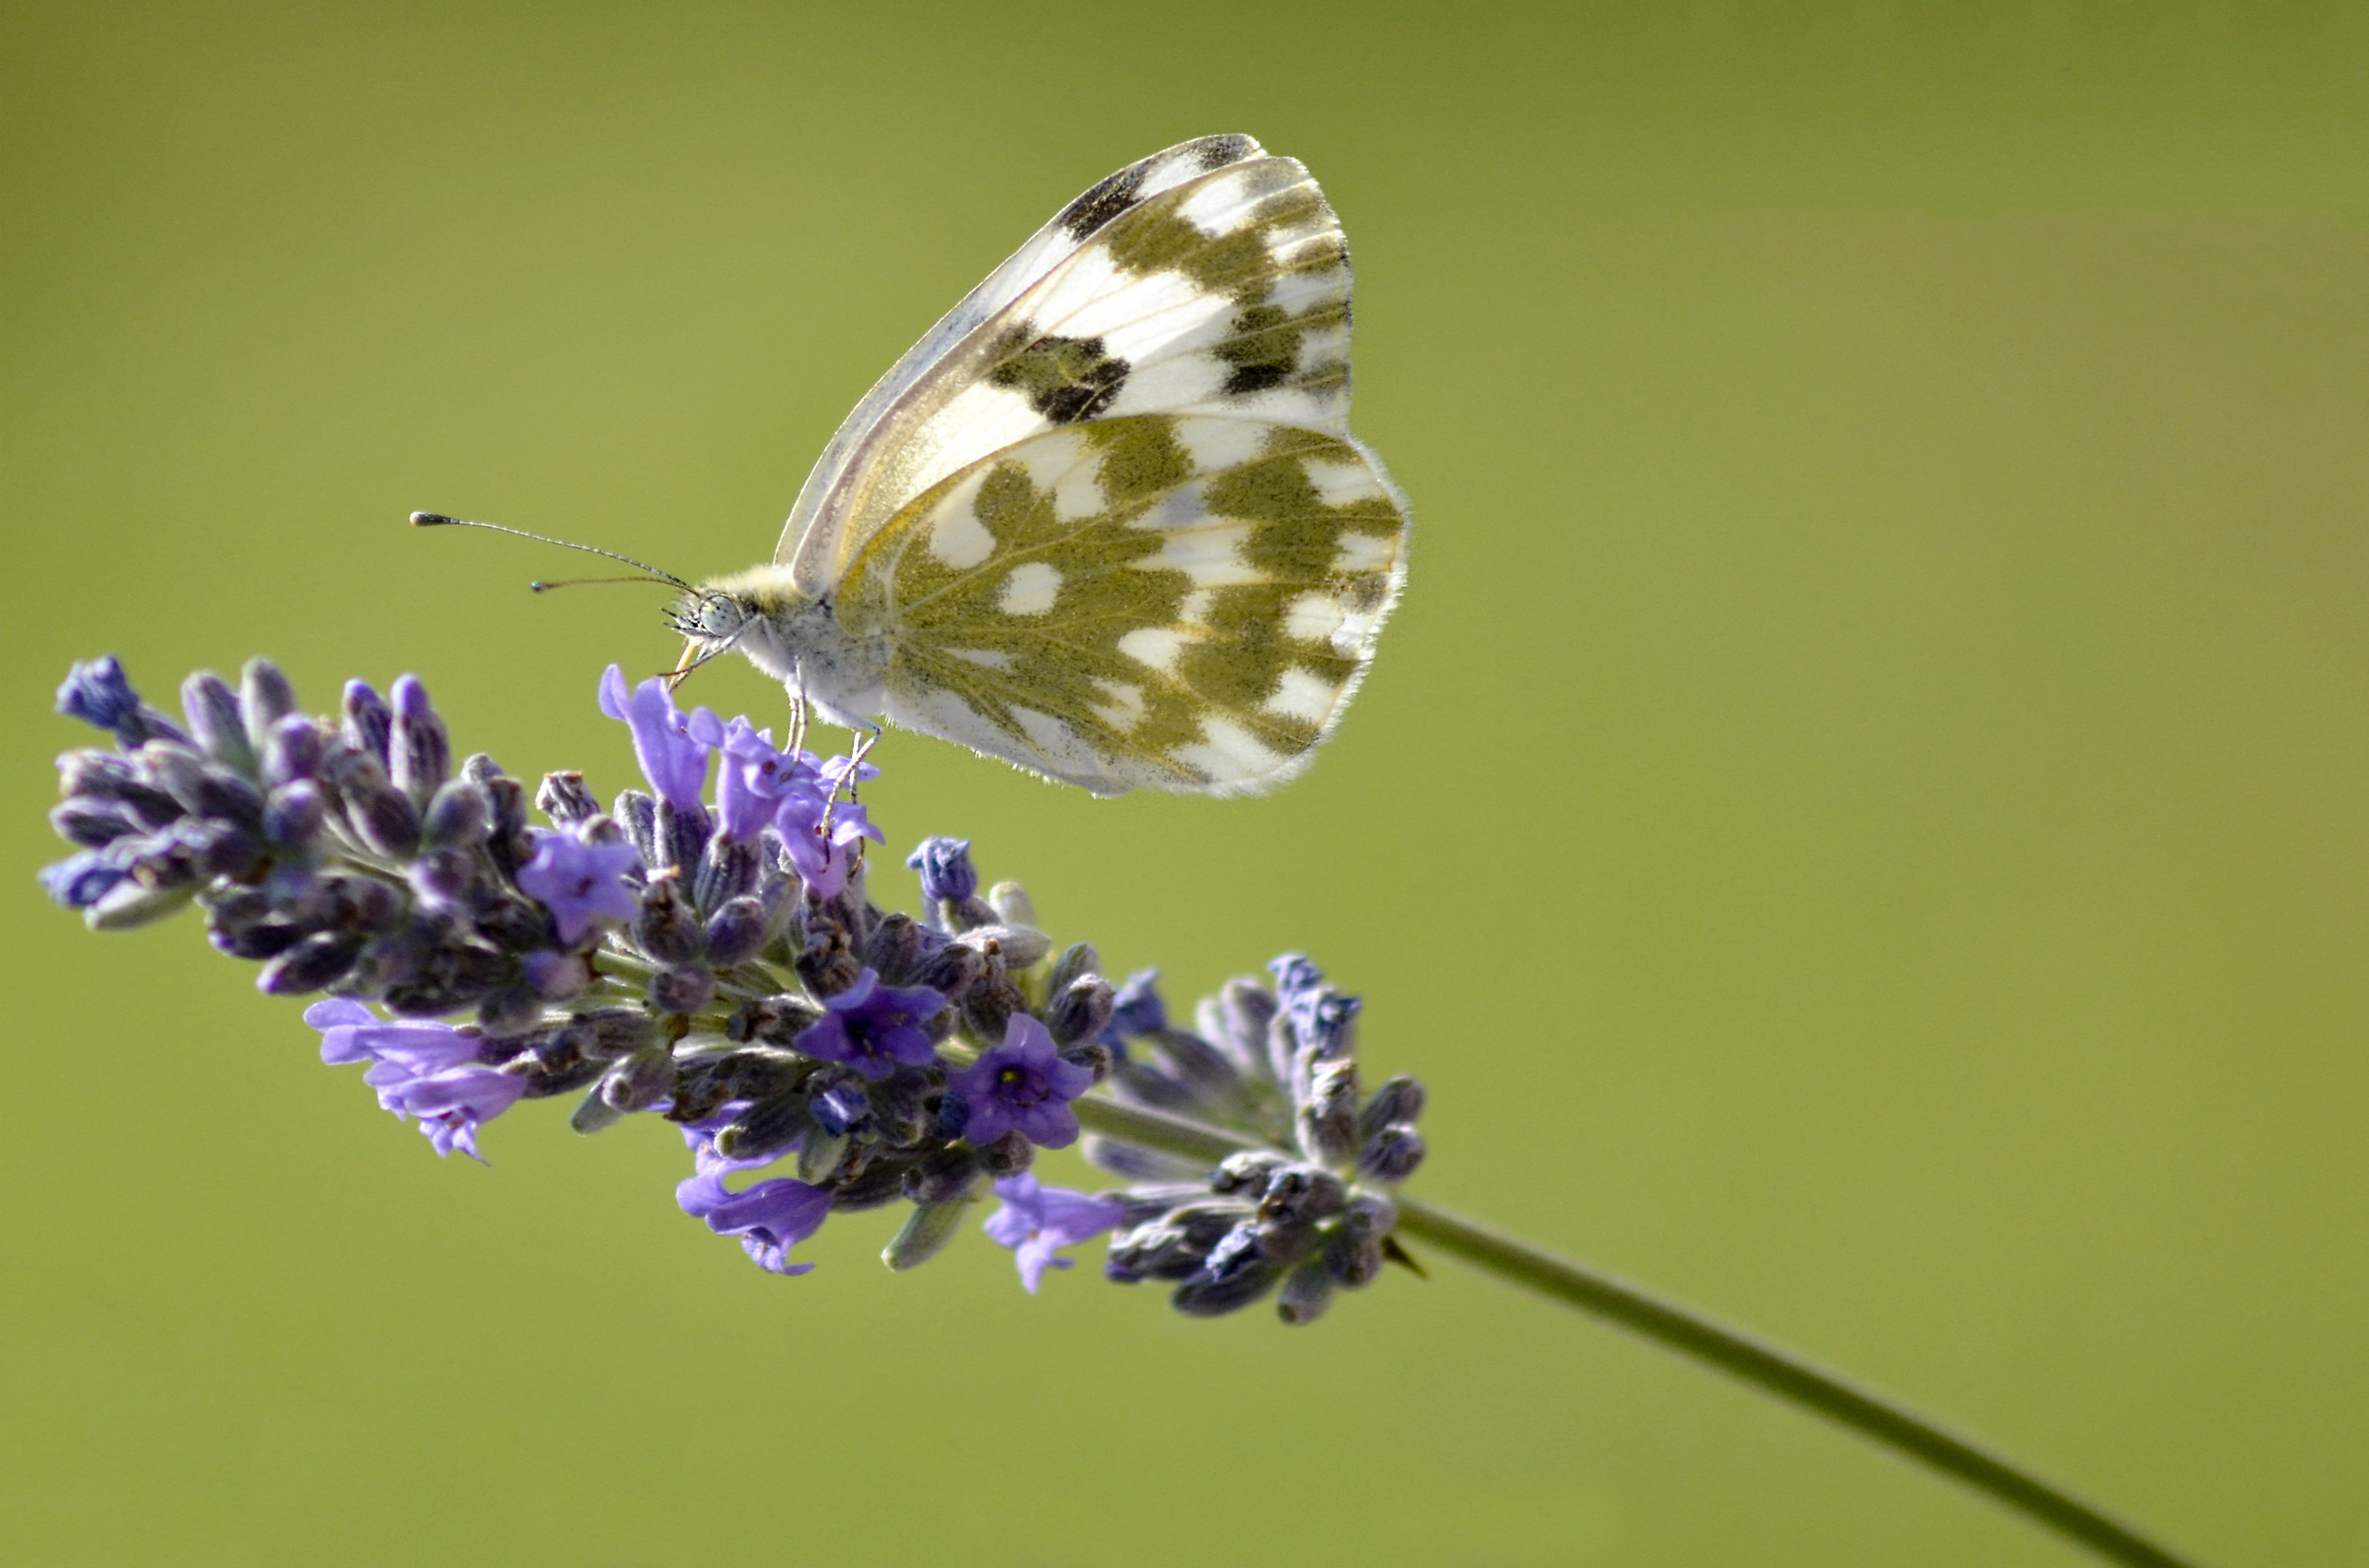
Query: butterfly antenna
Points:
[439, 520]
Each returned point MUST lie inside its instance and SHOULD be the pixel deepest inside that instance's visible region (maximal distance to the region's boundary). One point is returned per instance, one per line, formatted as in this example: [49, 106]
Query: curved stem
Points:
[1683, 1329]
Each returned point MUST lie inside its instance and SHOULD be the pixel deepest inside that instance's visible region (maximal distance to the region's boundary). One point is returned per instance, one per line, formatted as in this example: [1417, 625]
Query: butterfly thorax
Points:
[794, 636]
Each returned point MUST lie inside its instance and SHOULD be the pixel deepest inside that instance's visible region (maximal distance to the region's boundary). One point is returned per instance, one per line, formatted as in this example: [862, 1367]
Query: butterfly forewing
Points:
[1215, 280]
[1179, 602]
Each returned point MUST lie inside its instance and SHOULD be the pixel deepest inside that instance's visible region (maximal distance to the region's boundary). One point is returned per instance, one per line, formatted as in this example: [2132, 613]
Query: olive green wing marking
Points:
[1171, 602]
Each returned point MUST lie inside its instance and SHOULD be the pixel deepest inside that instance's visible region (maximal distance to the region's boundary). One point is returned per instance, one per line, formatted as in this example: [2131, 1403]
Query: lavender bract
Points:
[720, 965]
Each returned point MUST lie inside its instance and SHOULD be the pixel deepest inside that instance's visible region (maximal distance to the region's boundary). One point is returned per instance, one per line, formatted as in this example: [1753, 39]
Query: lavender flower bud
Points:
[1307, 1292]
[895, 949]
[1008, 1156]
[382, 816]
[1237, 1273]
[667, 928]
[96, 693]
[1080, 1010]
[419, 756]
[1236, 1023]
[317, 962]
[507, 838]
[215, 723]
[443, 876]
[731, 869]
[638, 814]
[837, 1102]
[1137, 1008]
[1077, 961]
[1302, 1194]
[943, 1176]
[685, 989]
[1173, 1246]
[776, 1019]
[556, 977]
[512, 1011]
[640, 1081]
[924, 1233]
[458, 816]
[1248, 1171]
[564, 799]
[867, 1183]
[1327, 1116]
[368, 722]
[988, 1005]
[176, 770]
[265, 699]
[1392, 1153]
[101, 777]
[1353, 1260]
[1091, 1054]
[946, 870]
[768, 1127]
[293, 749]
[1012, 905]
[737, 932]
[129, 903]
[90, 823]
[684, 834]
[1400, 1100]
[592, 1114]
[614, 1031]
[951, 971]
[293, 814]
[1369, 1214]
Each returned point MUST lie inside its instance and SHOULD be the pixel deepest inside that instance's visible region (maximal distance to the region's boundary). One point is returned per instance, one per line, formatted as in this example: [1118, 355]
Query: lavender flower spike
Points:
[580, 881]
[1037, 1221]
[1022, 1084]
[674, 760]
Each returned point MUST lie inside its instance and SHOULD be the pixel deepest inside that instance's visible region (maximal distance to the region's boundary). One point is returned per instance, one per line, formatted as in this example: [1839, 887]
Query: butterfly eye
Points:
[721, 615]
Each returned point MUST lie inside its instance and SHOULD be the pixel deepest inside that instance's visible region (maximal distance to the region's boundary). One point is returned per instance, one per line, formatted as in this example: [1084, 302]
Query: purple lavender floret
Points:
[875, 1028]
[1037, 1221]
[672, 758]
[580, 881]
[1022, 1085]
[820, 836]
[770, 1217]
[97, 691]
[945, 870]
[428, 1071]
[755, 778]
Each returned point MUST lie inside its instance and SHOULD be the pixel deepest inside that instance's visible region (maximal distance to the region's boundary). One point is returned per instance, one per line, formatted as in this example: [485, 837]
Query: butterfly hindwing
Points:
[1209, 278]
[1178, 602]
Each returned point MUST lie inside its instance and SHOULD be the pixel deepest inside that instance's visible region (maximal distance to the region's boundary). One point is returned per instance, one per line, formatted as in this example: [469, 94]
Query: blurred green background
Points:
[1859, 819]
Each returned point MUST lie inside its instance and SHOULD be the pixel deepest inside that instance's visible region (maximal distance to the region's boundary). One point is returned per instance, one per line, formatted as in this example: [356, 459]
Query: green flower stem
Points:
[1689, 1332]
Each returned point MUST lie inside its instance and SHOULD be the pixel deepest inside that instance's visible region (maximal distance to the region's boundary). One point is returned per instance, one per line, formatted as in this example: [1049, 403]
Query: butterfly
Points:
[1105, 520]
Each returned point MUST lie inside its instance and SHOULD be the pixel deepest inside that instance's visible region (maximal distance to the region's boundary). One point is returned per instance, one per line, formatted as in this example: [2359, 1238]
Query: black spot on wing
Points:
[1107, 200]
[1216, 152]
[1264, 348]
[1064, 379]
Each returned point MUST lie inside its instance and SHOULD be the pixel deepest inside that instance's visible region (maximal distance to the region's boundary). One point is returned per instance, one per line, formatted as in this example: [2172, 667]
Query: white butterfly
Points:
[1105, 520]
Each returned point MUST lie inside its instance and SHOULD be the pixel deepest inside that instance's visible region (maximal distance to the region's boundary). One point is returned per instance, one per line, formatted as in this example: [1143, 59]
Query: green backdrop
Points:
[1858, 820]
